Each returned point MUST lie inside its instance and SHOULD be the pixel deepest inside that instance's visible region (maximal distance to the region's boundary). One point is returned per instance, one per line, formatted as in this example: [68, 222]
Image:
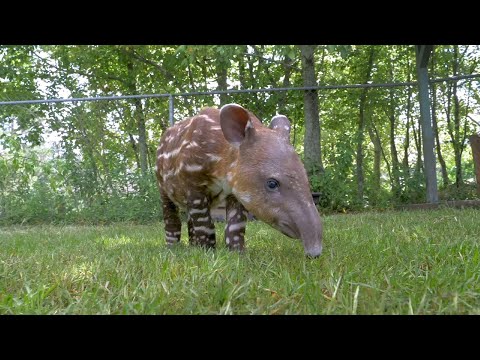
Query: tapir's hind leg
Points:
[201, 229]
[173, 224]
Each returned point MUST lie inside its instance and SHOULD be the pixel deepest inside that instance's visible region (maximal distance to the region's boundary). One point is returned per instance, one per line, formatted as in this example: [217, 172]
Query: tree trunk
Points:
[377, 151]
[422, 53]
[417, 135]
[405, 163]
[139, 118]
[393, 149]
[454, 128]
[287, 71]
[441, 160]
[360, 131]
[406, 166]
[312, 148]
[456, 120]
[241, 67]
[475, 143]
[221, 70]
[395, 163]
[134, 147]
[142, 136]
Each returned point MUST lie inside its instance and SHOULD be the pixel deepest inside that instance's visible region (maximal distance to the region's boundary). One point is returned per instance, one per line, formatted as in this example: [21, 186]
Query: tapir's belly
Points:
[190, 162]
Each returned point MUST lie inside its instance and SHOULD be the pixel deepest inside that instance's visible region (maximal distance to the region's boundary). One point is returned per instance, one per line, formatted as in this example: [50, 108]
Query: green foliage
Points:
[68, 162]
[422, 262]
[454, 192]
[414, 190]
[45, 192]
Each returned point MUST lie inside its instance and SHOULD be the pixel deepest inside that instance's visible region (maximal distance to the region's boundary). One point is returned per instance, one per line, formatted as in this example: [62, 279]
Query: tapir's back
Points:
[193, 156]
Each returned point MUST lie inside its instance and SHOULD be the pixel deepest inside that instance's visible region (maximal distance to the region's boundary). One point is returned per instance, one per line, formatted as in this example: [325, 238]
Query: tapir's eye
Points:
[272, 184]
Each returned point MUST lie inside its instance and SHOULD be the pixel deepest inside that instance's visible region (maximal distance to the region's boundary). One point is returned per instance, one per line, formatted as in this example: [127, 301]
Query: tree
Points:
[361, 127]
[313, 152]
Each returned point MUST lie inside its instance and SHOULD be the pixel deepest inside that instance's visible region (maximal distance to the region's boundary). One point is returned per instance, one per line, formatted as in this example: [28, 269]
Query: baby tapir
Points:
[228, 155]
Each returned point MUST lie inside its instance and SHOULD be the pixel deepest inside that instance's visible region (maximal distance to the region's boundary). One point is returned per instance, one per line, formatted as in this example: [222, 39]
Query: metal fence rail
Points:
[171, 96]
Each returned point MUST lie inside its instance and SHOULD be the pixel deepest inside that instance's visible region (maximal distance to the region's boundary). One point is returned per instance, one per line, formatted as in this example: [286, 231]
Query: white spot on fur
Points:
[178, 169]
[238, 226]
[170, 154]
[227, 240]
[197, 202]
[286, 127]
[204, 219]
[197, 211]
[205, 229]
[232, 213]
[193, 168]
[236, 238]
[213, 157]
[215, 128]
[191, 144]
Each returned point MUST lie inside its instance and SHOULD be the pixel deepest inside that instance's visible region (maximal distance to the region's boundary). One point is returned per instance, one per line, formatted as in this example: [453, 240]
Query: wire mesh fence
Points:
[93, 159]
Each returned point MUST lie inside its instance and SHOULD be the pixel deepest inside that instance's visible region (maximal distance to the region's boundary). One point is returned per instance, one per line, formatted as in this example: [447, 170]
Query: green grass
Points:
[421, 262]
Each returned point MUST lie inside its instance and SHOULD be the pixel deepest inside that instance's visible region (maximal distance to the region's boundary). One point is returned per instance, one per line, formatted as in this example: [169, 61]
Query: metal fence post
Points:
[170, 109]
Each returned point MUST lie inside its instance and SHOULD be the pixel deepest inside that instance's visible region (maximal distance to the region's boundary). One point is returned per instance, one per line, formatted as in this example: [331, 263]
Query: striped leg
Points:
[201, 227]
[191, 232]
[236, 222]
[173, 224]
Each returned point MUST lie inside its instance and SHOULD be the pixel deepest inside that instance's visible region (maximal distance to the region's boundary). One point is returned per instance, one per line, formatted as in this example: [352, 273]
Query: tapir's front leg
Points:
[201, 228]
[236, 222]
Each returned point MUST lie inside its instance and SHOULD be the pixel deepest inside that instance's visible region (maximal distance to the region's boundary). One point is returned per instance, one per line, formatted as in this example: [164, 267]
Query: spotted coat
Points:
[227, 155]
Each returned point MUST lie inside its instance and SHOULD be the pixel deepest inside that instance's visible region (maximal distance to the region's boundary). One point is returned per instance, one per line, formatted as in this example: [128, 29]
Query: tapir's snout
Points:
[311, 232]
[314, 252]
[306, 226]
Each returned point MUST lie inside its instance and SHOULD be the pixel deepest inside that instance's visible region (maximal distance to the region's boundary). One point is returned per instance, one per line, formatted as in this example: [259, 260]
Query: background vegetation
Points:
[92, 162]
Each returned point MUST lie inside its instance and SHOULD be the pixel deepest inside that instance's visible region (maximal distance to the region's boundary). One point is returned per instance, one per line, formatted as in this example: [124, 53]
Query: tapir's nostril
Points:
[314, 253]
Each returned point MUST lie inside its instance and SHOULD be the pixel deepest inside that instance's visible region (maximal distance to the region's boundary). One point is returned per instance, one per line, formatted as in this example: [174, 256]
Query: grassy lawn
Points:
[419, 262]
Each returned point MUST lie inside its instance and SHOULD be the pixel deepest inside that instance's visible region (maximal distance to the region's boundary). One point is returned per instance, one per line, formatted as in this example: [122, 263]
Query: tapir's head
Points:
[268, 177]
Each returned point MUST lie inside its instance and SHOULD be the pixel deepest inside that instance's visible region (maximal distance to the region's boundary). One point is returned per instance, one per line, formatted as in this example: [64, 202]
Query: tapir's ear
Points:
[236, 123]
[281, 124]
